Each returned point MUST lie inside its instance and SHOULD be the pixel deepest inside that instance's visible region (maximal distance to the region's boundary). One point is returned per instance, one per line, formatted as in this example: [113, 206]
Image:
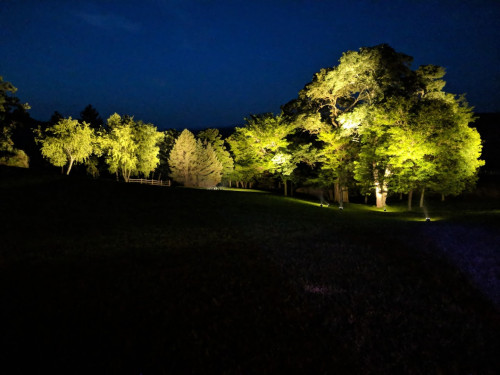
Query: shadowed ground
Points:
[101, 277]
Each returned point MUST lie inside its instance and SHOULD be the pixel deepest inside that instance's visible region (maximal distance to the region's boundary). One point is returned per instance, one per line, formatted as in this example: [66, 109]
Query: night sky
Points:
[204, 63]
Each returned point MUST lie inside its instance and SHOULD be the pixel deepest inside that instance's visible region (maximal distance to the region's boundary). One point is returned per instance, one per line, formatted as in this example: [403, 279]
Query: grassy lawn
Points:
[105, 277]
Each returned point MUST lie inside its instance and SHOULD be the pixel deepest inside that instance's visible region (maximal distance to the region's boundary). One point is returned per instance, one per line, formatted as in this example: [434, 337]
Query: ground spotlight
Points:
[427, 219]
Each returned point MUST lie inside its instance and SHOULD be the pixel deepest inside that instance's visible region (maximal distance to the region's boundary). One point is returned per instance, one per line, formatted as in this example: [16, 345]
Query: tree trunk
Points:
[381, 197]
[380, 188]
[410, 197]
[366, 199]
[422, 197]
[336, 187]
[442, 197]
[71, 160]
[250, 185]
[285, 188]
[345, 194]
[400, 196]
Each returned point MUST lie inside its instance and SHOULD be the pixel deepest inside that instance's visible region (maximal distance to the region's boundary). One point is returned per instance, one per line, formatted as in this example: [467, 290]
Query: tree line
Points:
[370, 125]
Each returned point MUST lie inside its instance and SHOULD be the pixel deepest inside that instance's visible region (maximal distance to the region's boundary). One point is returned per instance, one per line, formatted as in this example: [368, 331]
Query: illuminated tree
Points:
[261, 146]
[9, 155]
[418, 141]
[147, 138]
[67, 142]
[130, 148]
[194, 164]
[367, 76]
[183, 159]
[119, 146]
[457, 158]
[247, 164]
[208, 168]
[212, 137]
[387, 126]
[14, 122]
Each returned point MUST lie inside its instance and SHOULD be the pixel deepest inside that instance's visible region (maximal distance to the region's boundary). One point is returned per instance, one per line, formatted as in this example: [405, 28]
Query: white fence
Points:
[149, 182]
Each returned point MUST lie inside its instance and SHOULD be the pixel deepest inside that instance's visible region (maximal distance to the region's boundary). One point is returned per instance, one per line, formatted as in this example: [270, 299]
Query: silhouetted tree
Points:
[91, 116]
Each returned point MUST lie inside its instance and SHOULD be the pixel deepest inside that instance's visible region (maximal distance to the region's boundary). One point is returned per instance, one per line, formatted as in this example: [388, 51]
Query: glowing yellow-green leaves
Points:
[67, 142]
[130, 147]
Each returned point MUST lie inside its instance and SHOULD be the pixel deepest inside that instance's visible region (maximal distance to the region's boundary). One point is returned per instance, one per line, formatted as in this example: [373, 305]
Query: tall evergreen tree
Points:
[213, 137]
[183, 159]
[208, 168]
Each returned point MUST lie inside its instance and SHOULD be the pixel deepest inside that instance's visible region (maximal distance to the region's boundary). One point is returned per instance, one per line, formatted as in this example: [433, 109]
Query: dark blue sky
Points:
[206, 63]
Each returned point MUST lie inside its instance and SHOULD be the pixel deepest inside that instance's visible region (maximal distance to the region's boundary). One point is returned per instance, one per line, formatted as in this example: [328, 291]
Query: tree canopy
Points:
[130, 147]
[387, 127]
[370, 123]
[67, 142]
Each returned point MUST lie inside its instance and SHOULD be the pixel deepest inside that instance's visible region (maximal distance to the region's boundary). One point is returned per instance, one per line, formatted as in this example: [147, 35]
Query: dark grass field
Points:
[99, 277]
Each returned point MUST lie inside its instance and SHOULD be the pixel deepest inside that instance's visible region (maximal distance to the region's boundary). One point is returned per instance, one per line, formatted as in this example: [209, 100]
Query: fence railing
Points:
[149, 182]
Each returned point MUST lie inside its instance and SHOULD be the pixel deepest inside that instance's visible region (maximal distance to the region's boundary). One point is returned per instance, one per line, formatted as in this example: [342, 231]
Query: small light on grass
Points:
[341, 208]
[427, 219]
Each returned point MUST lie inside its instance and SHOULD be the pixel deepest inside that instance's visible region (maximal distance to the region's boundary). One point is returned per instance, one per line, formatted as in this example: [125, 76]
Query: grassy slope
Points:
[100, 277]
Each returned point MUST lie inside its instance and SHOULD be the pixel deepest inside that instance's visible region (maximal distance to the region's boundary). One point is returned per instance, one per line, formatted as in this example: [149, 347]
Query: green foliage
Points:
[212, 137]
[9, 155]
[14, 121]
[262, 146]
[387, 126]
[247, 162]
[67, 142]
[147, 138]
[130, 147]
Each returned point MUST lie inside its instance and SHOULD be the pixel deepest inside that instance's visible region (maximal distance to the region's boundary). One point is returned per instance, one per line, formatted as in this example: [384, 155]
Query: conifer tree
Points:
[207, 169]
[213, 137]
[182, 159]
[91, 116]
